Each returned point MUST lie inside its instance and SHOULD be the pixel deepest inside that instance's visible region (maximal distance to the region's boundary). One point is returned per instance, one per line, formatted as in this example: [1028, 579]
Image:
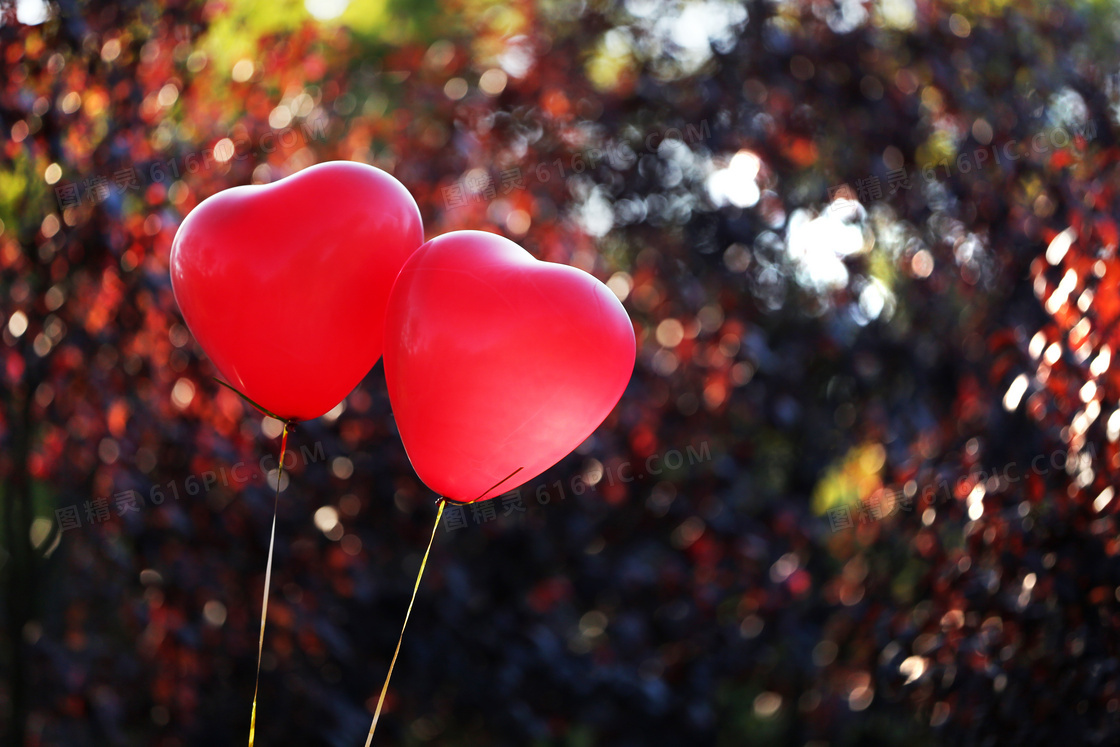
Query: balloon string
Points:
[419, 575]
[267, 583]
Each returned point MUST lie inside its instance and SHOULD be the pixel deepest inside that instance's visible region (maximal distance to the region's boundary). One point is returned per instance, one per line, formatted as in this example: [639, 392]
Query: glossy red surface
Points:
[285, 285]
[498, 362]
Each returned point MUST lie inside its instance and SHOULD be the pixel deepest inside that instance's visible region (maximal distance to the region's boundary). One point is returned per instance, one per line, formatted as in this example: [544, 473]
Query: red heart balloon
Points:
[498, 365]
[285, 285]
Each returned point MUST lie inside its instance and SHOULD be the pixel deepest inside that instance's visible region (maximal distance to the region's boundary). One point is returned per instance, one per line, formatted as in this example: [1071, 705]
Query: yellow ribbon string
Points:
[419, 575]
[267, 583]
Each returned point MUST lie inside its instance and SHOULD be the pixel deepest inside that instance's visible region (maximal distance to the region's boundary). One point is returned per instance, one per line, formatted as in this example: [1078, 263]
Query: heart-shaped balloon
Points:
[285, 285]
[498, 365]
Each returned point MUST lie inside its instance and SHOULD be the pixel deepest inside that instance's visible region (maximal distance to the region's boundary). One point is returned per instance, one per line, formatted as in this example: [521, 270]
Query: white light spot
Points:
[271, 427]
[326, 520]
[1038, 344]
[670, 333]
[737, 184]
[17, 324]
[280, 117]
[243, 70]
[767, 704]
[1015, 392]
[168, 95]
[223, 150]
[493, 82]
[1053, 354]
[1100, 364]
[182, 394]
[912, 668]
[621, 284]
[1060, 245]
[326, 10]
[32, 12]
[1113, 427]
[342, 467]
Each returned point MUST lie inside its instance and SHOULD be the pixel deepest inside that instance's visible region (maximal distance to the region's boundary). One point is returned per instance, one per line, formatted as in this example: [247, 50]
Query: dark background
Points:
[858, 545]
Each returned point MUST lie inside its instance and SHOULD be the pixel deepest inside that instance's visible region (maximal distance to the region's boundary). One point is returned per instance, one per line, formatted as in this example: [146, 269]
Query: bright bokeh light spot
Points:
[455, 89]
[223, 150]
[737, 184]
[53, 173]
[818, 245]
[71, 102]
[875, 300]
[271, 427]
[17, 324]
[1103, 499]
[1015, 392]
[50, 225]
[326, 521]
[493, 82]
[280, 117]
[593, 472]
[1053, 354]
[1061, 294]
[694, 28]
[1037, 344]
[1060, 245]
[182, 394]
[302, 105]
[922, 264]
[111, 50]
[326, 10]
[899, 14]
[912, 668]
[596, 215]
[670, 333]
[342, 467]
[1100, 364]
[243, 70]
[32, 12]
[621, 284]
[168, 95]
[518, 222]
[767, 704]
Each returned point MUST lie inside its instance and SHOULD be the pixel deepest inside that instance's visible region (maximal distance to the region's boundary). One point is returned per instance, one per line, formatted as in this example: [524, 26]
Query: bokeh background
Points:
[858, 492]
